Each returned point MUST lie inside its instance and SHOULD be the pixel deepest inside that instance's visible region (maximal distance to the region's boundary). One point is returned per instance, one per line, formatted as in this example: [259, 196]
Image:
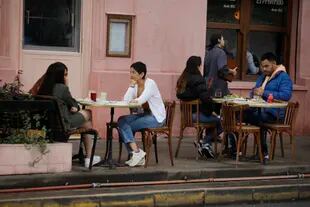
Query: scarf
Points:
[268, 78]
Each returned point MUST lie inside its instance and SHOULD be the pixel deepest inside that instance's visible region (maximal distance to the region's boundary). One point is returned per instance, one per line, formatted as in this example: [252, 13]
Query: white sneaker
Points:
[128, 161]
[96, 160]
[141, 163]
[136, 157]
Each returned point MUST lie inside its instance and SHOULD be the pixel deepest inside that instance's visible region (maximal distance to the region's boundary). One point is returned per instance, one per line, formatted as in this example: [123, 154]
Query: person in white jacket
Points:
[143, 91]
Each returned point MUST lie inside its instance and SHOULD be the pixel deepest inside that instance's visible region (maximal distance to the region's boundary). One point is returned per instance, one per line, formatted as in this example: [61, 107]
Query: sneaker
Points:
[136, 157]
[207, 150]
[96, 160]
[141, 163]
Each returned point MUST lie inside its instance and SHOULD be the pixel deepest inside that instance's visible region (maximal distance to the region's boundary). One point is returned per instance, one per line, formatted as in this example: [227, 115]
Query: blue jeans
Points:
[209, 119]
[129, 124]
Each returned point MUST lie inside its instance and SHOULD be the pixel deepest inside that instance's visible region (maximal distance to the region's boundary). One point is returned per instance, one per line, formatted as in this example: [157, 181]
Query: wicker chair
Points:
[232, 123]
[152, 133]
[187, 121]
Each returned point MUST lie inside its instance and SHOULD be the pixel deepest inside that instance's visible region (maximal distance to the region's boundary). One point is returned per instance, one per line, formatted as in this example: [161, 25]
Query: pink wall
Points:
[161, 38]
[9, 39]
[165, 34]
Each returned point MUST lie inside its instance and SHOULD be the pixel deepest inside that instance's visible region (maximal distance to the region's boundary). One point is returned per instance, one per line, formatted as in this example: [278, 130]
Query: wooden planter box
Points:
[17, 159]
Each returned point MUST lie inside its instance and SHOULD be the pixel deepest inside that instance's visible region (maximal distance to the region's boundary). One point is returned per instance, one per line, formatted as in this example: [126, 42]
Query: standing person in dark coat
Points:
[216, 71]
[190, 86]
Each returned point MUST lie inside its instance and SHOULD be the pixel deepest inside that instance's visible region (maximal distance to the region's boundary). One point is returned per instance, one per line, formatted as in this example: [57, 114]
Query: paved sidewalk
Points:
[191, 192]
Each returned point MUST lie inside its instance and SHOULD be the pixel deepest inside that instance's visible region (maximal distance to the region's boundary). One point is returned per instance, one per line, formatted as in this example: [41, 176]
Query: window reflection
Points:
[269, 12]
[225, 11]
[231, 42]
[262, 42]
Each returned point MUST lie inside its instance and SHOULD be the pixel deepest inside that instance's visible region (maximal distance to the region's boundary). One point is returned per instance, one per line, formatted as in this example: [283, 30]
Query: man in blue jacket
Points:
[275, 81]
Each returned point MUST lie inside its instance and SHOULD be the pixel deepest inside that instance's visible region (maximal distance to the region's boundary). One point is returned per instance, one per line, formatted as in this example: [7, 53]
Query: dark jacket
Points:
[196, 88]
[61, 91]
[280, 86]
[215, 70]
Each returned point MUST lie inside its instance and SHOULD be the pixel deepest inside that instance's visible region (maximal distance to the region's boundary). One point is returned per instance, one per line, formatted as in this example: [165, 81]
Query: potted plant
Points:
[24, 145]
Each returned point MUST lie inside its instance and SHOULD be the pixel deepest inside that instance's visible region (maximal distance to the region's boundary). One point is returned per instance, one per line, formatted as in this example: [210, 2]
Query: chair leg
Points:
[170, 149]
[80, 154]
[273, 143]
[179, 142]
[148, 148]
[281, 143]
[293, 147]
[154, 137]
[143, 139]
[120, 151]
[93, 151]
[238, 147]
[260, 152]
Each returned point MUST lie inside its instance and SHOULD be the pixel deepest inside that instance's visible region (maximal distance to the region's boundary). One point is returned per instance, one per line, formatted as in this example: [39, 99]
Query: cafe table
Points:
[253, 103]
[112, 105]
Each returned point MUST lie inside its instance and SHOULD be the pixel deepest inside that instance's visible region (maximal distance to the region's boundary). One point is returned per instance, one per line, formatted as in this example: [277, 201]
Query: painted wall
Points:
[165, 34]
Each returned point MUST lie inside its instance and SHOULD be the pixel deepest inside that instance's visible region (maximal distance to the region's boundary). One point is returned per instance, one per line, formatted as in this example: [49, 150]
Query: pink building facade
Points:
[164, 33]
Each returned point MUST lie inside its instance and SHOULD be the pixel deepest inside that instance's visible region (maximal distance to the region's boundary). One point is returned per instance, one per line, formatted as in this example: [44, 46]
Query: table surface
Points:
[108, 104]
[259, 103]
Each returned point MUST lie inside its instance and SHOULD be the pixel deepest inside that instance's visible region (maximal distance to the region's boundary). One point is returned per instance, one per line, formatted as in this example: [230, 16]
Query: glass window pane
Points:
[225, 11]
[231, 43]
[51, 23]
[262, 42]
[269, 12]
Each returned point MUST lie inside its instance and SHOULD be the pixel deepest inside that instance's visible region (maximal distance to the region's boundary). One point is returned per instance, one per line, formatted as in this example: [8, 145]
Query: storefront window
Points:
[52, 25]
[269, 12]
[251, 29]
[226, 11]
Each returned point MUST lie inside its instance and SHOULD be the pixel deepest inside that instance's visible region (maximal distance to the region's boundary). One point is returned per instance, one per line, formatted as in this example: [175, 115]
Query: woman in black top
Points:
[190, 86]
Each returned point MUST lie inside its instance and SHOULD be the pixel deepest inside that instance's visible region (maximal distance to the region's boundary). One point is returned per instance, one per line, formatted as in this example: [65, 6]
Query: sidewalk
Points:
[186, 168]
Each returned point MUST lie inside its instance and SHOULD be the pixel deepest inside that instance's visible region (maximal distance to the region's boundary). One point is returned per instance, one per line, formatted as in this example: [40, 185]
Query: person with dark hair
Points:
[190, 86]
[55, 83]
[216, 71]
[273, 82]
[144, 91]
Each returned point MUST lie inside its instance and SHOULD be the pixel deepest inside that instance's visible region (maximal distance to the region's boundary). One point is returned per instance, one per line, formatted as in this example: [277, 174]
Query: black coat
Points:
[196, 88]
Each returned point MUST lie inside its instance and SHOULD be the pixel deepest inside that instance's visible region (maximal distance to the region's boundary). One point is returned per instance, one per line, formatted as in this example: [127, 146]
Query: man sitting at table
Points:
[275, 81]
[143, 91]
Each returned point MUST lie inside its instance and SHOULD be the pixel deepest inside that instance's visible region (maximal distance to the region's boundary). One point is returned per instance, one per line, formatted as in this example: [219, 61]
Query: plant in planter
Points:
[22, 126]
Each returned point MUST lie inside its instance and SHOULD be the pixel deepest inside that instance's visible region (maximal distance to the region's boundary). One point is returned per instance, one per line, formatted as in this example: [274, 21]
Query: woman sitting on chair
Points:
[55, 83]
[144, 91]
[190, 86]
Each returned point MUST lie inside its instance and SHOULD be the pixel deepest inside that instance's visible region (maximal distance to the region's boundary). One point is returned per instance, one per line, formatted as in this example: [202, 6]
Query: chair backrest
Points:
[231, 116]
[58, 128]
[187, 113]
[291, 113]
[170, 110]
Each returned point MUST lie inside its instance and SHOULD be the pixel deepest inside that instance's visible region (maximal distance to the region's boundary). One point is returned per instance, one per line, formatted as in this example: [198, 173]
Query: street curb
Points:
[179, 197]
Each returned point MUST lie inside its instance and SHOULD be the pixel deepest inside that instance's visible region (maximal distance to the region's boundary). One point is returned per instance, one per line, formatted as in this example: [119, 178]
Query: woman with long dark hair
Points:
[190, 86]
[55, 83]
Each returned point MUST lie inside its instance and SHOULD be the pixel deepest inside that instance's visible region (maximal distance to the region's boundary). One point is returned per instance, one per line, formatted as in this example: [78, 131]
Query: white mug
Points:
[103, 96]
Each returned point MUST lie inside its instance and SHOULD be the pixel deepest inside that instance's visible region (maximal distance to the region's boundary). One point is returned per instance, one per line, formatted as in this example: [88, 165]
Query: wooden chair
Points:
[231, 119]
[187, 121]
[62, 133]
[287, 126]
[152, 133]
